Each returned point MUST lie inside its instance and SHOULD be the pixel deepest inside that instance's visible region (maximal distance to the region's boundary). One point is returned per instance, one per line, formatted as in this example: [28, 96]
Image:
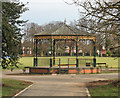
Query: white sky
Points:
[45, 11]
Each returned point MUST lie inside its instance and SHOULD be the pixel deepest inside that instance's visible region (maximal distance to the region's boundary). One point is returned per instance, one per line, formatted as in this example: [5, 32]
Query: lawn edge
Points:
[87, 88]
[22, 91]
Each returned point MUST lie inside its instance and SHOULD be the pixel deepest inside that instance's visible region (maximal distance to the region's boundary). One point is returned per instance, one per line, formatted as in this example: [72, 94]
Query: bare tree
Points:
[101, 18]
[29, 30]
[104, 14]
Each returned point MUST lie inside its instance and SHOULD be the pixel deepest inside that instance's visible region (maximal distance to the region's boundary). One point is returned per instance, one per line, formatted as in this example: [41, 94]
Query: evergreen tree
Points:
[11, 32]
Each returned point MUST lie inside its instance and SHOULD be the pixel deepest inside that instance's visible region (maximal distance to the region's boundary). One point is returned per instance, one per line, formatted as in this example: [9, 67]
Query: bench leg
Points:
[24, 70]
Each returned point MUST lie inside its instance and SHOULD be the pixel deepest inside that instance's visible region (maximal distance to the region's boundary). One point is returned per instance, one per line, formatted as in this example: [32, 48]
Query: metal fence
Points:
[60, 61]
[72, 61]
[68, 61]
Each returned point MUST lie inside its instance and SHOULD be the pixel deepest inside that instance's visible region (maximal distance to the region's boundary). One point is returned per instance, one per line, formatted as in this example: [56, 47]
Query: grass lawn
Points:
[110, 61]
[104, 88]
[45, 61]
[116, 71]
[11, 87]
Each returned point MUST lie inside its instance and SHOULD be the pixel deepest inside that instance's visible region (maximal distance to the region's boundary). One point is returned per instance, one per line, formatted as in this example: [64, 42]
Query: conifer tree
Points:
[11, 32]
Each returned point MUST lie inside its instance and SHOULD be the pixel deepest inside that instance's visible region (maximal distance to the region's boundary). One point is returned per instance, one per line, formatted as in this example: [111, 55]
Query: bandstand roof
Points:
[63, 30]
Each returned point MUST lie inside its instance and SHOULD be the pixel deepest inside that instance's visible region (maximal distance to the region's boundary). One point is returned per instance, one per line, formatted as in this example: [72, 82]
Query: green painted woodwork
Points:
[51, 52]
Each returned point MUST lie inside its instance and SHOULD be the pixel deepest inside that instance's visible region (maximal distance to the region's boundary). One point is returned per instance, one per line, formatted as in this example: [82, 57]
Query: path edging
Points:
[22, 91]
[87, 91]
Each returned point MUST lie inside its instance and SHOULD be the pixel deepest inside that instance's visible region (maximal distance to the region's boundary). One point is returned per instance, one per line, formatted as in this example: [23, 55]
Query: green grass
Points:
[11, 87]
[104, 90]
[110, 61]
[108, 72]
[45, 61]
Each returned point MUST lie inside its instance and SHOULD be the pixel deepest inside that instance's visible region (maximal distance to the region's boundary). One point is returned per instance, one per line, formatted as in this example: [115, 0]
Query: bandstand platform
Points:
[63, 70]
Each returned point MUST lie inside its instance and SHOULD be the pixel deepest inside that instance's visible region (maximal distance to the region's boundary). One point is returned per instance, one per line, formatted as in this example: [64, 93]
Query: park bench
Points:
[99, 65]
[24, 69]
[88, 64]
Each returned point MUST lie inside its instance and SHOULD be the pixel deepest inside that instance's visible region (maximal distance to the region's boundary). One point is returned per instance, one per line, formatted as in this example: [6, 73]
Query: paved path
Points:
[59, 85]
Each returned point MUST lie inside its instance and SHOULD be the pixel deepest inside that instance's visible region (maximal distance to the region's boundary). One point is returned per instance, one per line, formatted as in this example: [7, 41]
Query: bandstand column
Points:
[35, 53]
[94, 59]
[77, 52]
[54, 52]
[51, 51]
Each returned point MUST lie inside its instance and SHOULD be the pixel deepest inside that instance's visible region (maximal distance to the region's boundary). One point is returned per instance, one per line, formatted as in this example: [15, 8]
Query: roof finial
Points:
[65, 21]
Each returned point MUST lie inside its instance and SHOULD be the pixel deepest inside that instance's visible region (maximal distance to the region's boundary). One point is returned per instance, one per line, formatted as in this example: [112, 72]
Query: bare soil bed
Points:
[93, 84]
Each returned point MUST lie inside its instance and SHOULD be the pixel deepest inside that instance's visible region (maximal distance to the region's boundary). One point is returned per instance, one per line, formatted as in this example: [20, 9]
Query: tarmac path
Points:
[58, 85]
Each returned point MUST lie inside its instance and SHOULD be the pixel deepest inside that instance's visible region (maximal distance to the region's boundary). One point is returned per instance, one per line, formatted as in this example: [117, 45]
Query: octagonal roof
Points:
[63, 30]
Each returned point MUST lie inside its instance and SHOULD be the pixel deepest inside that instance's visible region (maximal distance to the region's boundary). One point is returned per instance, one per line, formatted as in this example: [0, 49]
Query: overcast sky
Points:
[45, 11]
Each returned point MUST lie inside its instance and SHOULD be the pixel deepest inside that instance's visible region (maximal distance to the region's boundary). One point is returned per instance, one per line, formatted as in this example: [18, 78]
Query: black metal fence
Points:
[43, 61]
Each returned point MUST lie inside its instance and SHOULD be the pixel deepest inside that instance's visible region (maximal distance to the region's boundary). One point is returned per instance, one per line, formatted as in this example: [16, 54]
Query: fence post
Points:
[68, 65]
[59, 65]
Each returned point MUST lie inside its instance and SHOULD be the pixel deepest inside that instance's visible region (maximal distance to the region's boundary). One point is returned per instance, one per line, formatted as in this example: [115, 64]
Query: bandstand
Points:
[64, 33]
